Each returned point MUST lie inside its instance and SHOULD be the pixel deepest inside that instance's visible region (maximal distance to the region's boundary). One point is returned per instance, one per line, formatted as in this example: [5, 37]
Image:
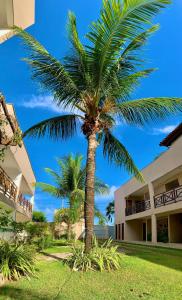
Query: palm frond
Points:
[101, 187]
[53, 174]
[141, 111]
[49, 71]
[120, 84]
[120, 22]
[51, 189]
[76, 62]
[61, 127]
[99, 215]
[115, 151]
[138, 42]
[110, 210]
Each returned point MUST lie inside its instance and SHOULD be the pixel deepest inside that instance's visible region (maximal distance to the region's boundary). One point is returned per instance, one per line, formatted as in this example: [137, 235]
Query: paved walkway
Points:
[53, 256]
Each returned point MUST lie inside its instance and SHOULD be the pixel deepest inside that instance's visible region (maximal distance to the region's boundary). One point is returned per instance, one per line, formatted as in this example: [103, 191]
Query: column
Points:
[154, 229]
[151, 193]
[169, 230]
[18, 181]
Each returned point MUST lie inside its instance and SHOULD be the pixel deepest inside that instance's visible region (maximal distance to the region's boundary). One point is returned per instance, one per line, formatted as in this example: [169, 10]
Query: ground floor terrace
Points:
[159, 228]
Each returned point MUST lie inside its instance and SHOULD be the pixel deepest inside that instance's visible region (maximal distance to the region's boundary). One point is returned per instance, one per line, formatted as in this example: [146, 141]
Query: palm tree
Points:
[95, 83]
[70, 185]
[110, 211]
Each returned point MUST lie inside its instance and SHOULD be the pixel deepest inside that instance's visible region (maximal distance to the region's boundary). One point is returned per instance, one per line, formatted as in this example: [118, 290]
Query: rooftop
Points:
[172, 137]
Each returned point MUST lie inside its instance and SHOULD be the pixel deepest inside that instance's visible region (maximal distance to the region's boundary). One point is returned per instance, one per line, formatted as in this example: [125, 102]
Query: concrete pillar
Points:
[18, 181]
[169, 229]
[151, 193]
[154, 229]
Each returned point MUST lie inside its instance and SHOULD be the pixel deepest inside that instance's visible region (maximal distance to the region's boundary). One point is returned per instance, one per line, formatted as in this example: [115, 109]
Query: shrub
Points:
[38, 216]
[36, 229]
[16, 260]
[104, 257]
[44, 242]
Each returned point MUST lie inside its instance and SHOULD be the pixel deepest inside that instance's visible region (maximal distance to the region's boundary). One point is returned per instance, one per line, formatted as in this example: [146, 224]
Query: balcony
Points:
[138, 207]
[9, 189]
[170, 197]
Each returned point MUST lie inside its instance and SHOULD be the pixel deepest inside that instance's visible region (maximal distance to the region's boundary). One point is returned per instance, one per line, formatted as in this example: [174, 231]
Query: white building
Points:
[17, 180]
[152, 211]
[19, 13]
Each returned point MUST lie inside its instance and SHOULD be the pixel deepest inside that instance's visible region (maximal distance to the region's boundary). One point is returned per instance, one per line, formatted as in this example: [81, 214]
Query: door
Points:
[122, 232]
[144, 231]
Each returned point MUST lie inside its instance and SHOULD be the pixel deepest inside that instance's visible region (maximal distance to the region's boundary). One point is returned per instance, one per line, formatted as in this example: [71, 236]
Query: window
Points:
[172, 185]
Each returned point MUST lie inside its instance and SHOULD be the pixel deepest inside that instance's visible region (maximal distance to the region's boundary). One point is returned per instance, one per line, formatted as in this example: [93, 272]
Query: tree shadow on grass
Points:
[171, 258]
[13, 293]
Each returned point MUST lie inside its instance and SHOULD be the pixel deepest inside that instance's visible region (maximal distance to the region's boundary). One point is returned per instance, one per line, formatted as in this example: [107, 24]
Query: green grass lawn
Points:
[147, 273]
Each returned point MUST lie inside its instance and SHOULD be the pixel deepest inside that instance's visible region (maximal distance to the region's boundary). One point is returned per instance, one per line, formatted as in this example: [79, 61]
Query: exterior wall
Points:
[16, 172]
[15, 13]
[133, 230]
[175, 228]
[164, 169]
[78, 229]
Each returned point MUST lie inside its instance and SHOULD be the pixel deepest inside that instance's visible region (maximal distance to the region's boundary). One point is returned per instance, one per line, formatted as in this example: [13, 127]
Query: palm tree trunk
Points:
[89, 191]
[69, 231]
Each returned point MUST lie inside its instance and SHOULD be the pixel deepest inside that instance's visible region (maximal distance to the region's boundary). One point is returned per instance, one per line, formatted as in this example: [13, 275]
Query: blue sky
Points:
[32, 104]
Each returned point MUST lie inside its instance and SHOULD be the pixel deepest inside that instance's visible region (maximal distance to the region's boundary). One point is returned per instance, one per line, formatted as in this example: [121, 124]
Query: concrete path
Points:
[53, 256]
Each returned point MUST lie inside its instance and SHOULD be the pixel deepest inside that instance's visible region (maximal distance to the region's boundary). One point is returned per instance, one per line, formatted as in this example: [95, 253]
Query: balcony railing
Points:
[170, 197]
[7, 186]
[24, 203]
[9, 189]
[138, 207]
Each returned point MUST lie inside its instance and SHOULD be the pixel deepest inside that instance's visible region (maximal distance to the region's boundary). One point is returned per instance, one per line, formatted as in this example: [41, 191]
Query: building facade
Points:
[19, 13]
[152, 211]
[17, 180]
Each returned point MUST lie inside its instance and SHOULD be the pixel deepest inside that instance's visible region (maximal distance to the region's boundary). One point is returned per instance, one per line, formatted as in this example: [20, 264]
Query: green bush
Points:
[16, 260]
[36, 229]
[38, 216]
[44, 242]
[104, 257]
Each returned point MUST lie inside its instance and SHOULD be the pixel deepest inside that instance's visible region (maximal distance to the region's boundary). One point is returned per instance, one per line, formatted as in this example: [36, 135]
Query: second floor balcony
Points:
[138, 207]
[9, 189]
[172, 196]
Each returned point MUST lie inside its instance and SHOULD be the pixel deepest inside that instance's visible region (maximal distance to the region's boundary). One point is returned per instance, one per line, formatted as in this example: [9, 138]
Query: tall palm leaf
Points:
[97, 80]
[70, 185]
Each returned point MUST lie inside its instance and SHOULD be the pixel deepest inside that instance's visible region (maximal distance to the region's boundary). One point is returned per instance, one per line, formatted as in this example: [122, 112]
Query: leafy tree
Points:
[70, 185]
[110, 211]
[38, 216]
[95, 82]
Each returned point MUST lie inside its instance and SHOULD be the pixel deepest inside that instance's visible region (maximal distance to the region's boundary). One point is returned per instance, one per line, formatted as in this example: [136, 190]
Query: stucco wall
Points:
[133, 230]
[176, 228]
[165, 164]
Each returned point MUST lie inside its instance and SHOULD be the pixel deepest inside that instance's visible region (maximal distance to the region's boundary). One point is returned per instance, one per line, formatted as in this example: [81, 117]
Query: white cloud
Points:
[109, 196]
[164, 130]
[45, 102]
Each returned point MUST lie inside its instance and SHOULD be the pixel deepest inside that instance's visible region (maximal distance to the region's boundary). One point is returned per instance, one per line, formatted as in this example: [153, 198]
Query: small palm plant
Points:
[110, 211]
[70, 186]
[95, 82]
